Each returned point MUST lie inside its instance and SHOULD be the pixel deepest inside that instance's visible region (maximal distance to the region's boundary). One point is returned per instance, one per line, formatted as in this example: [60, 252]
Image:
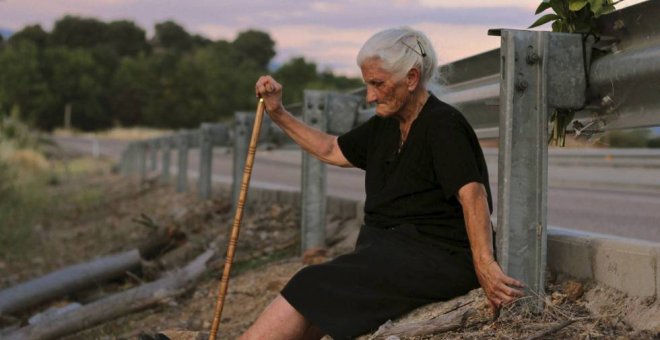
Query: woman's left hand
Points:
[500, 289]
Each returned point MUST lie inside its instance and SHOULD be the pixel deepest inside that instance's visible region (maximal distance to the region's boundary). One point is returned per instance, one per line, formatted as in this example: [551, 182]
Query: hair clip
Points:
[421, 52]
[421, 49]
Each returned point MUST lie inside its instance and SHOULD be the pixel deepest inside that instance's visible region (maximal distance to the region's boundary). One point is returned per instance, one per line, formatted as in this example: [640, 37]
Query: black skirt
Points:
[392, 271]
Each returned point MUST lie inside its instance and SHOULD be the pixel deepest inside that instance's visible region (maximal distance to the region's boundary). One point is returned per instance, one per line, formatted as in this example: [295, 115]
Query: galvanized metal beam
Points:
[153, 153]
[538, 70]
[205, 161]
[313, 181]
[243, 122]
[183, 145]
[166, 153]
[142, 159]
[625, 79]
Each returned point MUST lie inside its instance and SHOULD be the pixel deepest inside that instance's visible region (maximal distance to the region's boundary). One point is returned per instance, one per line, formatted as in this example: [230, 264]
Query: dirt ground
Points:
[101, 213]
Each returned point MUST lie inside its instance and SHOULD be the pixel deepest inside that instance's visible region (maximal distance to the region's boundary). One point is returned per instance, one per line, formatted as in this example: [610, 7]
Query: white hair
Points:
[401, 49]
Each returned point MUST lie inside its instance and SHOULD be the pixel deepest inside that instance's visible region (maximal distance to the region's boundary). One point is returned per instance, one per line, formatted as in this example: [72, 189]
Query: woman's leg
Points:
[281, 321]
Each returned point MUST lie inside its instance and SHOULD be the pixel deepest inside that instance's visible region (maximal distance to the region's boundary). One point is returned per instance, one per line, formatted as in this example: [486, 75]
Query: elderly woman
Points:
[427, 235]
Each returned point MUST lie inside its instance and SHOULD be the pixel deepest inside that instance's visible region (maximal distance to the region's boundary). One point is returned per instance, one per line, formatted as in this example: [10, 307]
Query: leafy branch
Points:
[573, 16]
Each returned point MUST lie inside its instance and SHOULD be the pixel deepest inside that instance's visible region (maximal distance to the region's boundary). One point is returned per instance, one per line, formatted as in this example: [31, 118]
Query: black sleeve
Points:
[454, 157]
[354, 144]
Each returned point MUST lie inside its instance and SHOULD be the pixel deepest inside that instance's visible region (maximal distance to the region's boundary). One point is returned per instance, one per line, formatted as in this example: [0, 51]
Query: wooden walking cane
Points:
[235, 228]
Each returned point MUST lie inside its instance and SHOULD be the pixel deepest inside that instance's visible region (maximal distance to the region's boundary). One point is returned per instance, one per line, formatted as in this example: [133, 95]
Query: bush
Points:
[22, 201]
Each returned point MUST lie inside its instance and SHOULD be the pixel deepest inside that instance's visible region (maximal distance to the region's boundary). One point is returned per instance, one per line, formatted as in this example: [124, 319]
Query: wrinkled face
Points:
[384, 89]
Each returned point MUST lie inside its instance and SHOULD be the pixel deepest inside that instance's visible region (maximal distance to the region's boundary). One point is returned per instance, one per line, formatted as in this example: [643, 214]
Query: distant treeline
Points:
[110, 74]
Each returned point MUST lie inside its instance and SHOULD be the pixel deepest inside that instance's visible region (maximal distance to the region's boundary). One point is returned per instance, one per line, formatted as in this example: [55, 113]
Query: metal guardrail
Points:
[506, 93]
[624, 77]
[327, 111]
[604, 158]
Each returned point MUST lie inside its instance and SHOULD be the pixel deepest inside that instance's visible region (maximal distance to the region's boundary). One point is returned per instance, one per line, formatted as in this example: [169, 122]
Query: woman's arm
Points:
[499, 288]
[320, 144]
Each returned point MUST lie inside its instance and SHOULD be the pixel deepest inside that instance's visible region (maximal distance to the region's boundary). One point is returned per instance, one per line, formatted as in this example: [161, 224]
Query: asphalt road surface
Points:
[619, 201]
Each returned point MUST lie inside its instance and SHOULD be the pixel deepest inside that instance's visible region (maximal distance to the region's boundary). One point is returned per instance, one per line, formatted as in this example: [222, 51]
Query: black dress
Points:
[413, 248]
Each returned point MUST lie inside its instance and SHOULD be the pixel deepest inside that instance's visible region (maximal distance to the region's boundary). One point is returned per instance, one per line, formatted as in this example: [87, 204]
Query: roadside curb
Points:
[628, 265]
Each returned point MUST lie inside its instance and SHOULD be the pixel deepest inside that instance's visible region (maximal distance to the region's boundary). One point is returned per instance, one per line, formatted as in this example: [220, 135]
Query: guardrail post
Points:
[183, 142]
[142, 160]
[242, 123]
[313, 182]
[166, 146]
[205, 161]
[153, 149]
[538, 70]
[123, 162]
[131, 160]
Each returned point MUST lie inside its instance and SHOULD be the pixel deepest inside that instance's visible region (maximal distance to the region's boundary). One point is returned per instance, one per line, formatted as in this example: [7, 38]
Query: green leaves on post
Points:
[573, 16]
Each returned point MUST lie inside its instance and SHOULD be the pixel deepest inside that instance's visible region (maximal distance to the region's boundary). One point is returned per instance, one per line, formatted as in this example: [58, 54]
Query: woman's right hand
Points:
[271, 91]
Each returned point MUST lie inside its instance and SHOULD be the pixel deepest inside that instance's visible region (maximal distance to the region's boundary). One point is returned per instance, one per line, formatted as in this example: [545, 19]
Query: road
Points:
[619, 201]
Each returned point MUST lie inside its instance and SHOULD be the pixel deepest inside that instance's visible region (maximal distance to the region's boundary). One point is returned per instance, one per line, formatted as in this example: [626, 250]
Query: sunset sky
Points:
[327, 32]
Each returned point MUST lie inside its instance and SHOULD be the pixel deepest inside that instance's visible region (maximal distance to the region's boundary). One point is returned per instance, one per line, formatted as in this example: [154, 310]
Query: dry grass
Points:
[137, 133]
[97, 216]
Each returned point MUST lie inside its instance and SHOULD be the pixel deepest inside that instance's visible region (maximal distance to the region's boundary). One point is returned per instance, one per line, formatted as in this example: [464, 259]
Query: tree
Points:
[110, 74]
[76, 79]
[22, 85]
[295, 75]
[201, 41]
[72, 31]
[255, 46]
[131, 90]
[32, 33]
[171, 36]
[126, 39]
[329, 80]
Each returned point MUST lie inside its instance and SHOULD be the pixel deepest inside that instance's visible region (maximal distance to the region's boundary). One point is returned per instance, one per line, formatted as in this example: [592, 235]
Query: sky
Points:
[328, 32]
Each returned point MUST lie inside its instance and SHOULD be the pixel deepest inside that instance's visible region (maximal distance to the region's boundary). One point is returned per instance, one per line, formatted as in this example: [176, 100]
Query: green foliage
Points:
[20, 207]
[294, 76]
[33, 33]
[76, 79]
[72, 31]
[19, 202]
[130, 88]
[23, 86]
[298, 74]
[171, 36]
[254, 46]
[16, 134]
[110, 74]
[126, 39]
[573, 16]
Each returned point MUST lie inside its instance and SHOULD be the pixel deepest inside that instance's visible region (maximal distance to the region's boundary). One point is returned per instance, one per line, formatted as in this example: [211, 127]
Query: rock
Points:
[573, 290]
